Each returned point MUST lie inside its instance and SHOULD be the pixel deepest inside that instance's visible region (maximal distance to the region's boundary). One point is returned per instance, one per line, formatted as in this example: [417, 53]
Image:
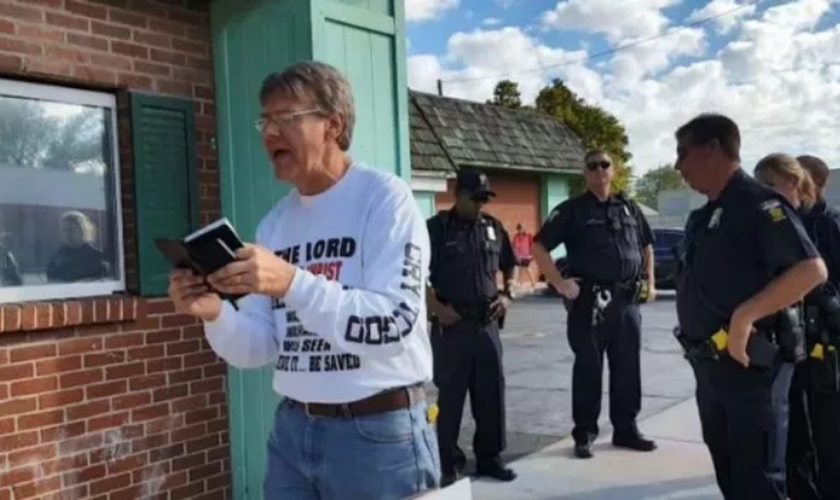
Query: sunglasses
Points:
[595, 165]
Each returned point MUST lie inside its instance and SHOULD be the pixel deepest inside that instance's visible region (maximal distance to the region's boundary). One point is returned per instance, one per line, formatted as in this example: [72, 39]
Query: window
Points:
[60, 214]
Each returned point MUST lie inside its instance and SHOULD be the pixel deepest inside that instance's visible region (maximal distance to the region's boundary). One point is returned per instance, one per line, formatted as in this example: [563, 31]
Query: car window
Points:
[667, 239]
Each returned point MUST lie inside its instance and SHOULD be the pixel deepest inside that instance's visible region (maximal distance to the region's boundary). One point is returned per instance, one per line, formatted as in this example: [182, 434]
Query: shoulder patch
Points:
[773, 209]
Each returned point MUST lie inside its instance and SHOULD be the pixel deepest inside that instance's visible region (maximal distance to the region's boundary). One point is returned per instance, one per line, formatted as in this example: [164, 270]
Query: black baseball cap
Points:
[474, 183]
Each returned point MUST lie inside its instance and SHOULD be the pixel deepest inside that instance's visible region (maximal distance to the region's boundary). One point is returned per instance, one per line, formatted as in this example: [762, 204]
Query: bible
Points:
[205, 251]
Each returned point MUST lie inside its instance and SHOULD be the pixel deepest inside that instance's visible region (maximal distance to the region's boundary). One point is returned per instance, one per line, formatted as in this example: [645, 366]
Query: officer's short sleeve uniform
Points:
[823, 226]
[603, 238]
[734, 247]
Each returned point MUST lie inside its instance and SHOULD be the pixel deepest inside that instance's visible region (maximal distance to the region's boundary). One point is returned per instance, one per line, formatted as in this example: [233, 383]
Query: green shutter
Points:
[165, 181]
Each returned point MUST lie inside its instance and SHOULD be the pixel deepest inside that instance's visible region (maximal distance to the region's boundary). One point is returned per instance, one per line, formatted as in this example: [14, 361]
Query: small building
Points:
[528, 156]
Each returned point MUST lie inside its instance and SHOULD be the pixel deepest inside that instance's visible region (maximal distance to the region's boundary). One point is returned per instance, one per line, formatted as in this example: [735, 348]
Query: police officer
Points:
[469, 248]
[746, 260]
[823, 310]
[610, 254]
[784, 174]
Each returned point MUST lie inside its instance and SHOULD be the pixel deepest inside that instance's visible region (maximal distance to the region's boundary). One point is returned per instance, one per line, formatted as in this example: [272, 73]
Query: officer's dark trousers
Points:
[814, 438]
[468, 358]
[744, 415]
[801, 451]
[619, 335]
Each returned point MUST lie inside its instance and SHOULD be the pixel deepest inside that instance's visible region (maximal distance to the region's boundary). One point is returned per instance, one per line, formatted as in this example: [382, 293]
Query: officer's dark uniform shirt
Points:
[734, 246]
[466, 255]
[823, 226]
[604, 239]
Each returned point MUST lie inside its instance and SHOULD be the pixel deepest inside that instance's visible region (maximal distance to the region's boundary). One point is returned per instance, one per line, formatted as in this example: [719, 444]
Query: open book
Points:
[205, 251]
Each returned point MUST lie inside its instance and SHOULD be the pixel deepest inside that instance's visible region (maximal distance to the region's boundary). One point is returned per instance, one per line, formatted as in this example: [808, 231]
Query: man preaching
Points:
[335, 299]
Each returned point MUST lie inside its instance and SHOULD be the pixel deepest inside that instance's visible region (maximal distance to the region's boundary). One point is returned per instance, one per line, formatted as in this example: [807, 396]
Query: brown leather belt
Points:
[395, 399]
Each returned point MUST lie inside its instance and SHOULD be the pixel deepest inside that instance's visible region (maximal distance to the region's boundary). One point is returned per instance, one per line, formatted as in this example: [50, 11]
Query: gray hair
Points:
[322, 83]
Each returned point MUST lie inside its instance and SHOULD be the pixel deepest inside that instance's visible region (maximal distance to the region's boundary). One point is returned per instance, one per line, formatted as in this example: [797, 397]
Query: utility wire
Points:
[607, 52]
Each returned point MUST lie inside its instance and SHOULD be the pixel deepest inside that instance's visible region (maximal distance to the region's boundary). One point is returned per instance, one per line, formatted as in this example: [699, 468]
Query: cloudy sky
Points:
[772, 65]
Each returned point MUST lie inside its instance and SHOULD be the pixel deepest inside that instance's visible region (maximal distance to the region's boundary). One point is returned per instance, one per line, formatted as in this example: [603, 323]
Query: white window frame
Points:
[70, 291]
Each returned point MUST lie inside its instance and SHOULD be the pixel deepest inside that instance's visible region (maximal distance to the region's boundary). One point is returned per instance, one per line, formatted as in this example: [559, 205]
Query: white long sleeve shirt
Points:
[353, 322]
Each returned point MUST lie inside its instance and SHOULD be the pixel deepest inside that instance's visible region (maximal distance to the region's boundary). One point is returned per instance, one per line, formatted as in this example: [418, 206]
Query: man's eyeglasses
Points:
[595, 165]
[283, 120]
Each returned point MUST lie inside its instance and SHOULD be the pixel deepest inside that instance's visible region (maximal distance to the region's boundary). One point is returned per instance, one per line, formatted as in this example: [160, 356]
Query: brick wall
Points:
[517, 202]
[113, 398]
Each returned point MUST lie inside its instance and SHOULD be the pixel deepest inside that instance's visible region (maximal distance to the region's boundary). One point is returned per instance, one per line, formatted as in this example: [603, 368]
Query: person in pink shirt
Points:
[523, 243]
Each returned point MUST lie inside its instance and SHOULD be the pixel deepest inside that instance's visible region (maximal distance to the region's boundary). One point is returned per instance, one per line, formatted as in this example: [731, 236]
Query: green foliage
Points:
[507, 95]
[38, 135]
[597, 128]
[659, 179]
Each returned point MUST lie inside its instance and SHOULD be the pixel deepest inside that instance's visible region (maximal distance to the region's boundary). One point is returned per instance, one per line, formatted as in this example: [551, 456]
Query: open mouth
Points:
[280, 154]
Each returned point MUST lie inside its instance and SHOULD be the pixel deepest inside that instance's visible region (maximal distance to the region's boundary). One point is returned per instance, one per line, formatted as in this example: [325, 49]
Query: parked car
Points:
[665, 260]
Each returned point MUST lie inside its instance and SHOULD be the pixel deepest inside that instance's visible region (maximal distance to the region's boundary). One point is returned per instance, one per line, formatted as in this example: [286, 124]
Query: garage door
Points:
[517, 202]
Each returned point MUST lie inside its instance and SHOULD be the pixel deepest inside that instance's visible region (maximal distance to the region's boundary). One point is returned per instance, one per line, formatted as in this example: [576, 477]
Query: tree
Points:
[507, 95]
[596, 127]
[32, 137]
[654, 181]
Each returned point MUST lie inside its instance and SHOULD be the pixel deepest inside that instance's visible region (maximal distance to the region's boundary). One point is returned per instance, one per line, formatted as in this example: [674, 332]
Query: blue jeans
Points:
[388, 456]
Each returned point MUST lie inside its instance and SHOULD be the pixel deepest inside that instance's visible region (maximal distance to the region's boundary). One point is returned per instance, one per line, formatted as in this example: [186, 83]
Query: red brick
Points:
[33, 386]
[40, 32]
[18, 441]
[129, 49]
[94, 75]
[84, 377]
[17, 11]
[109, 421]
[131, 19]
[58, 365]
[124, 371]
[4, 391]
[152, 39]
[69, 22]
[86, 9]
[91, 42]
[31, 352]
[169, 28]
[124, 340]
[147, 352]
[134, 81]
[16, 372]
[41, 419]
[152, 68]
[53, 4]
[134, 400]
[104, 358]
[110, 30]
[80, 346]
[60, 398]
[192, 47]
[7, 27]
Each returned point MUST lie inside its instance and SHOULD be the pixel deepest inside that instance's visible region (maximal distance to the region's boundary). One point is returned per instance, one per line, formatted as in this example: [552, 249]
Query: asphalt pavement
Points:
[538, 369]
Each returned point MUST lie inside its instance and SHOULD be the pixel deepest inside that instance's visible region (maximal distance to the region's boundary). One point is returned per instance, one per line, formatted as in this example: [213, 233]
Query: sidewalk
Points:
[679, 469]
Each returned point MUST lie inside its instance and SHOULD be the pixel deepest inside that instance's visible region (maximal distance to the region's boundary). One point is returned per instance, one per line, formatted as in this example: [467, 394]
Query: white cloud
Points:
[779, 78]
[730, 13]
[491, 21]
[617, 20]
[425, 10]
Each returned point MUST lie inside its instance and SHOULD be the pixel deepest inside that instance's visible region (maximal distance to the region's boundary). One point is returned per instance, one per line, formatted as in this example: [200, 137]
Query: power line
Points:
[617, 48]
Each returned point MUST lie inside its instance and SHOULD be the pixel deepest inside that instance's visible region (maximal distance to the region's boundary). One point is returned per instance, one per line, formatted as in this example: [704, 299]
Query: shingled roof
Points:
[448, 133]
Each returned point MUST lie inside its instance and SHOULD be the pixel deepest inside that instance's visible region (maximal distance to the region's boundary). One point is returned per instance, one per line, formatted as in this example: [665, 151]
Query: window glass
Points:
[59, 212]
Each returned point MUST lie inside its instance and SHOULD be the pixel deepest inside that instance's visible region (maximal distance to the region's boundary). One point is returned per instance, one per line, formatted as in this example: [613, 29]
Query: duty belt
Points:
[474, 311]
[761, 349]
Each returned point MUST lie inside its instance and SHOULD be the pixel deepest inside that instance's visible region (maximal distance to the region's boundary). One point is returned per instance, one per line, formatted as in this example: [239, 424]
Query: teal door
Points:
[251, 38]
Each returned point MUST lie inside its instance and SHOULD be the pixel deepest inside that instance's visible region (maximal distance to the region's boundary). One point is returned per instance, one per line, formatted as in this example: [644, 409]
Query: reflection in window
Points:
[59, 215]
